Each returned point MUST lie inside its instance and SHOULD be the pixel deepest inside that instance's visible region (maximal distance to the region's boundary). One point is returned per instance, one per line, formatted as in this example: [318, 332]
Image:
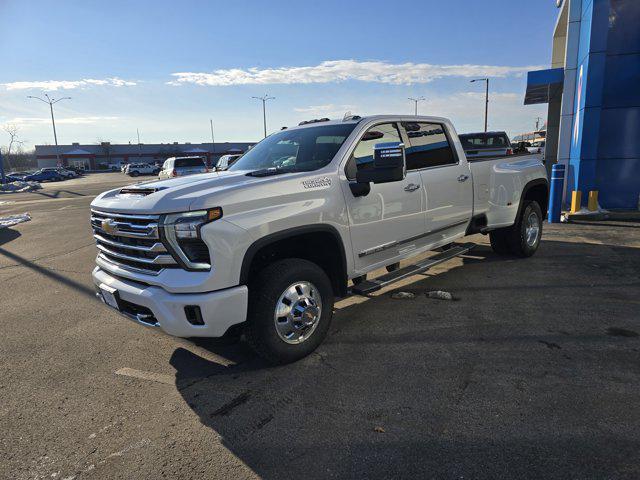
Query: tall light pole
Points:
[486, 99]
[213, 142]
[264, 110]
[415, 101]
[51, 102]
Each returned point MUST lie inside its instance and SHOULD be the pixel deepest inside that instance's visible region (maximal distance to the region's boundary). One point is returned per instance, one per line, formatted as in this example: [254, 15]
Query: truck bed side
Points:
[498, 184]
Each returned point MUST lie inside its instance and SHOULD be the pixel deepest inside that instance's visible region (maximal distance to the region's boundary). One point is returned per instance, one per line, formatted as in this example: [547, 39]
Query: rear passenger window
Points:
[428, 146]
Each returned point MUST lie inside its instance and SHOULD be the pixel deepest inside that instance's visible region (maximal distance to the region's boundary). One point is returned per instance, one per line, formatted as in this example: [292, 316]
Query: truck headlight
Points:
[180, 232]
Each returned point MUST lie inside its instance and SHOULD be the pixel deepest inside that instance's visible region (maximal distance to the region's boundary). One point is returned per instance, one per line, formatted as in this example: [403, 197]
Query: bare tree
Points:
[12, 130]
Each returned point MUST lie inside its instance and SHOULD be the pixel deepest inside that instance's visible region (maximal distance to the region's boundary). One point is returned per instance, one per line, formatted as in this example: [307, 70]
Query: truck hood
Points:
[168, 196]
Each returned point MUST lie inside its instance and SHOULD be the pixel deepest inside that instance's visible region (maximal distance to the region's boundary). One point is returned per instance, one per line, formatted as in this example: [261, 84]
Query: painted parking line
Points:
[206, 354]
[150, 376]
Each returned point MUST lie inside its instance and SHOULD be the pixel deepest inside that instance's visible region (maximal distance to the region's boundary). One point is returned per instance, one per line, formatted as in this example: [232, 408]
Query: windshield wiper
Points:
[266, 172]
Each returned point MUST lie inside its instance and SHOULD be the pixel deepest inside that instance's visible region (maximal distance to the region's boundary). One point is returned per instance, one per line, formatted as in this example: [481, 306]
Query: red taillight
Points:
[509, 151]
[174, 173]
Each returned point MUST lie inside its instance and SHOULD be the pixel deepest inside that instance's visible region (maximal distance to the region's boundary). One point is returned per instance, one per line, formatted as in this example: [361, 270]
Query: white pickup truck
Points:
[265, 247]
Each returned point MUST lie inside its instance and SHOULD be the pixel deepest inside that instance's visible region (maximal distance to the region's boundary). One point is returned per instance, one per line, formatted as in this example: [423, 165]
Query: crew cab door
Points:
[390, 214]
[446, 178]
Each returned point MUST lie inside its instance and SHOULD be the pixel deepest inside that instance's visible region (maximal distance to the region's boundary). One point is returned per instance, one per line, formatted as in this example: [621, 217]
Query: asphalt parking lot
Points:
[533, 371]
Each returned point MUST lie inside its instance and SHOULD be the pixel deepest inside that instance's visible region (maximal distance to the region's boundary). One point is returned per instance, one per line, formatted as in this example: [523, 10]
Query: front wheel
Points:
[290, 310]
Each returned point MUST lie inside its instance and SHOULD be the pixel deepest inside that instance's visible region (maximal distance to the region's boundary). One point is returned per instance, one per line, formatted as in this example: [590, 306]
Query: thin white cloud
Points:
[343, 70]
[51, 85]
[329, 107]
[34, 121]
[466, 110]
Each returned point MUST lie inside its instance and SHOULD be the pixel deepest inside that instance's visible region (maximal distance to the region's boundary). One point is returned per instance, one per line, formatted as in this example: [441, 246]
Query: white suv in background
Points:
[135, 169]
[182, 166]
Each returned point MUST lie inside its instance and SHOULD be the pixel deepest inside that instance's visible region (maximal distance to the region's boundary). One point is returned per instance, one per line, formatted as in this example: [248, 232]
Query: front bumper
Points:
[220, 309]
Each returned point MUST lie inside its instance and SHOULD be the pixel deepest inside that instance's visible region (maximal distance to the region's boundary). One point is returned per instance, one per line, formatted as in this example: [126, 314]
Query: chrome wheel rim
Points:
[532, 229]
[298, 312]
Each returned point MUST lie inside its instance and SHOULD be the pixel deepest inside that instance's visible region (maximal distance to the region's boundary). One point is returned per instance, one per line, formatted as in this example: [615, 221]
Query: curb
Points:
[625, 215]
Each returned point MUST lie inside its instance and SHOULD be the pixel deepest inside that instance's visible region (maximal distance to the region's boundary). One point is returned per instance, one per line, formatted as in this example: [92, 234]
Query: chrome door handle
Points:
[411, 187]
[463, 178]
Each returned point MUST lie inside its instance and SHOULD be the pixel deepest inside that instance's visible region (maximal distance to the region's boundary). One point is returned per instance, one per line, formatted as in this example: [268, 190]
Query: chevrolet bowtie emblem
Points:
[109, 226]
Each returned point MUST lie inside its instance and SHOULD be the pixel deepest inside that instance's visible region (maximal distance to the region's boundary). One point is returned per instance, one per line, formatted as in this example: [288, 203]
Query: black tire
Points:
[134, 173]
[499, 242]
[265, 290]
[517, 238]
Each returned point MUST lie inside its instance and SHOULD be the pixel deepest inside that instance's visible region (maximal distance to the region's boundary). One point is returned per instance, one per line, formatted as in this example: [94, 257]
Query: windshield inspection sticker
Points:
[317, 182]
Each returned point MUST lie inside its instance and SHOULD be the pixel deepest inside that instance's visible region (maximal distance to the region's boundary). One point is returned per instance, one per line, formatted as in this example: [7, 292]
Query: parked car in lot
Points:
[182, 166]
[486, 144]
[520, 147]
[225, 161]
[266, 246]
[13, 177]
[44, 176]
[136, 169]
[77, 170]
[18, 175]
[537, 147]
[63, 172]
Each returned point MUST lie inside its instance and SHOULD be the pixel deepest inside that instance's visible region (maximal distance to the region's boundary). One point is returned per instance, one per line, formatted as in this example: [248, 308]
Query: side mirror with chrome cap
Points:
[389, 164]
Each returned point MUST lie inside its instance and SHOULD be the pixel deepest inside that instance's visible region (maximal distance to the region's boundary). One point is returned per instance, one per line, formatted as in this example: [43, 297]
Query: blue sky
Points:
[166, 67]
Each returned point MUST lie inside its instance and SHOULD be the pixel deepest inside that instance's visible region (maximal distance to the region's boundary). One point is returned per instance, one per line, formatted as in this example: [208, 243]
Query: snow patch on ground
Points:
[18, 186]
[12, 220]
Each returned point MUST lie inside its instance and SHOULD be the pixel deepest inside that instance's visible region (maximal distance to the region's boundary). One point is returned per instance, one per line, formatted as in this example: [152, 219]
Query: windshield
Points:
[299, 150]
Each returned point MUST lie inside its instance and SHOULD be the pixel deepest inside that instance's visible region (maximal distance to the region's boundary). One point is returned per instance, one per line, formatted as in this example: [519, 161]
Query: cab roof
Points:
[355, 119]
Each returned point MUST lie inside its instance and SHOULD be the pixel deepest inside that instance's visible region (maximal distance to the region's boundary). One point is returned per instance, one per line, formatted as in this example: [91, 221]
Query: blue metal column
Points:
[555, 193]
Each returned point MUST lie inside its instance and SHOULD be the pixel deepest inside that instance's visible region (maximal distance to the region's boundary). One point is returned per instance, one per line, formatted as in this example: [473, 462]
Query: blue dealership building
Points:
[593, 92]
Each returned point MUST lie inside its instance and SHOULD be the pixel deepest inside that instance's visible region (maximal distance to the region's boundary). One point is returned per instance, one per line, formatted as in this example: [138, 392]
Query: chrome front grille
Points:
[131, 242]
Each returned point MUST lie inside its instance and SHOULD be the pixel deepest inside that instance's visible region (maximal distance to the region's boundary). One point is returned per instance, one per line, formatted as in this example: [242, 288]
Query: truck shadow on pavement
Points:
[47, 272]
[57, 193]
[519, 378]
[7, 235]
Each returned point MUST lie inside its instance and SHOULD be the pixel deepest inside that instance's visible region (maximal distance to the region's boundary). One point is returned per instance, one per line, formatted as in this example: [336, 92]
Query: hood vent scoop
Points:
[139, 191]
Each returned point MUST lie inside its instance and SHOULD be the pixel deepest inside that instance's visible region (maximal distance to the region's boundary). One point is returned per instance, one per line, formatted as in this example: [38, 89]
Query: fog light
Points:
[193, 314]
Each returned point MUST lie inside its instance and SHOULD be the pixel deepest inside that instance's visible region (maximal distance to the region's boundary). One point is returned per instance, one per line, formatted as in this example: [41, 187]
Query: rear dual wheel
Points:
[522, 238]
